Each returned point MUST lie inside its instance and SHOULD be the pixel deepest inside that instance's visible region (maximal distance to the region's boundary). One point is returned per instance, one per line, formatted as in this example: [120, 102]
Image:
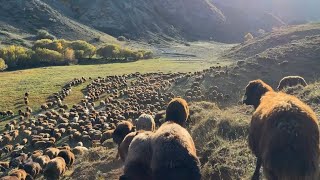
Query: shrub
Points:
[88, 49]
[43, 34]
[13, 55]
[248, 37]
[3, 65]
[109, 51]
[48, 57]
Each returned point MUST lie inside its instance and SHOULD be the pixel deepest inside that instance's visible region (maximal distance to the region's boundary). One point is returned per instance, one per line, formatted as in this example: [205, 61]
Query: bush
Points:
[248, 37]
[3, 65]
[14, 55]
[48, 57]
[109, 51]
[43, 34]
[88, 49]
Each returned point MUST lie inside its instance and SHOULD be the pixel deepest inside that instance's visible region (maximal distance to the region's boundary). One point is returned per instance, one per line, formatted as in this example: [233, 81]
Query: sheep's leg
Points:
[256, 175]
[118, 154]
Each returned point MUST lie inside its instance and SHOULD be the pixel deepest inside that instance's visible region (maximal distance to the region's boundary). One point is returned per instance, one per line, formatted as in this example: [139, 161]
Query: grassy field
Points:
[42, 82]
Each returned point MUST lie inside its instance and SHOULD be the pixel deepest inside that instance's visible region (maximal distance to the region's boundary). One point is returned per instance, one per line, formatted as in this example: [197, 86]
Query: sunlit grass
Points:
[43, 82]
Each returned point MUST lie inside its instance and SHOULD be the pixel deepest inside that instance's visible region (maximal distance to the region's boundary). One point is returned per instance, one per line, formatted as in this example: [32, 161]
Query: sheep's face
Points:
[254, 91]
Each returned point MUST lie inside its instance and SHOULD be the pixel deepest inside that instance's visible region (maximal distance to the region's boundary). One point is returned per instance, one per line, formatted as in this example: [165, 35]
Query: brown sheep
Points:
[145, 122]
[79, 150]
[9, 178]
[174, 154]
[124, 146]
[122, 129]
[55, 168]
[68, 157]
[4, 165]
[290, 81]
[51, 152]
[283, 135]
[32, 168]
[36, 154]
[19, 173]
[106, 135]
[177, 111]
[42, 160]
[137, 164]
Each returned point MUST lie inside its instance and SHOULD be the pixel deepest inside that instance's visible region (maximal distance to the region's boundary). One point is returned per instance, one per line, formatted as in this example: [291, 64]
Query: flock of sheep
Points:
[151, 133]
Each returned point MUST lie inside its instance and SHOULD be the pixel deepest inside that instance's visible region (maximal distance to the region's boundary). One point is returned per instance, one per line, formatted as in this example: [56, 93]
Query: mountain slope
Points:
[32, 15]
[184, 19]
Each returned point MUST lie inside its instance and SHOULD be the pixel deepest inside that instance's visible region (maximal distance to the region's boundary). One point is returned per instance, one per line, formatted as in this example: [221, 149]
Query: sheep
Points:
[4, 166]
[55, 168]
[52, 152]
[145, 122]
[283, 134]
[290, 81]
[79, 144]
[36, 154]
[123, 148]
[68, 157]
[17, 161]
[174, 154]
[19, 173]
[79, 150]
[32, 168]
[177, 111]
[122, 129]
[137, 163]
[43, 160]
[9, 178]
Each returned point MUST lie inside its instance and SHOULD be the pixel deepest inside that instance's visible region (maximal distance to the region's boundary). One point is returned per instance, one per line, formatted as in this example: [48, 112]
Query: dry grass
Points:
[221, 139]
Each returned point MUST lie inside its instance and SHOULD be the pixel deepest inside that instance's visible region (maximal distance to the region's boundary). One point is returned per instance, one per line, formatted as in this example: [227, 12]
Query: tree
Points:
[12, 55]
[69, 55]
[3, 65]
[88, 49]
[109, 51]
[55, 45]
[147, 55]
[42, 43]
[126, 53]
[248, 37]
[48, 57]
[79, 54]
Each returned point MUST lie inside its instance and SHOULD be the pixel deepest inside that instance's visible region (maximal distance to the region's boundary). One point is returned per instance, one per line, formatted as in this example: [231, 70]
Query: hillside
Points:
[282, 44]
[152, 21]
[28, 16]
[290, 11]
[189, 19]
